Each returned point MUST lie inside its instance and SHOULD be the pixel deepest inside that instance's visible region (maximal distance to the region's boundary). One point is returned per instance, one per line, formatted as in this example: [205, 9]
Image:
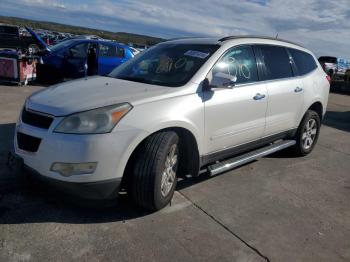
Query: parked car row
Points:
[77, 58]
[71, 58]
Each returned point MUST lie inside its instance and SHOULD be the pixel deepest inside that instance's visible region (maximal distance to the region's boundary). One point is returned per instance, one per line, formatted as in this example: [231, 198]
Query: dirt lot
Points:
[278, 208]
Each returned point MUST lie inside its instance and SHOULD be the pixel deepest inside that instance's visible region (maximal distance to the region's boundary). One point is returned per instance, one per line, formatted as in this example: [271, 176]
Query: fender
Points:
[146, 133]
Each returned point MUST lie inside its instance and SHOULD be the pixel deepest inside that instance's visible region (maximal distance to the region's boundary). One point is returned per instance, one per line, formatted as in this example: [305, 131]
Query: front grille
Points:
[28, 143]
[36, 119]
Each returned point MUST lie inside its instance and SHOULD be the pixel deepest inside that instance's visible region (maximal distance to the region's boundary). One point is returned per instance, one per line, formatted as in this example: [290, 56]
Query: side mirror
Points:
[219, 80]
[206, 85]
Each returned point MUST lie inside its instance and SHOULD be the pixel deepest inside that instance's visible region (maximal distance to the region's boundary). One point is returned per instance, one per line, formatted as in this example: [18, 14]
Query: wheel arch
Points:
[190, 154]
[318, 108]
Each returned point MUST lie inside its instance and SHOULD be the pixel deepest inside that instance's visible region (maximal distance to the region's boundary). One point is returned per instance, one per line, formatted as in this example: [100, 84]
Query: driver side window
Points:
[238, 64]
[78, 51]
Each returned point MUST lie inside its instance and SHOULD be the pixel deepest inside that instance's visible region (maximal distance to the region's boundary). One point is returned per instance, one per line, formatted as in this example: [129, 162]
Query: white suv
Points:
[179, 107]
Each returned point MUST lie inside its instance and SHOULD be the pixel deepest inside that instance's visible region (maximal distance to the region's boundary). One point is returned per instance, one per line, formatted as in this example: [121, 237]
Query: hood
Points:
[41, 42]
[85, 94]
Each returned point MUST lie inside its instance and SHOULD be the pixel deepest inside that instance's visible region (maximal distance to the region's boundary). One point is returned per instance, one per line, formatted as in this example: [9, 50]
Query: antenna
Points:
[276, 36]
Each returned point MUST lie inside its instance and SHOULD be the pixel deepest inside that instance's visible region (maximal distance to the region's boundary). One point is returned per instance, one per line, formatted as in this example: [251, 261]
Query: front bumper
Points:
[100, 190]
[110, 151]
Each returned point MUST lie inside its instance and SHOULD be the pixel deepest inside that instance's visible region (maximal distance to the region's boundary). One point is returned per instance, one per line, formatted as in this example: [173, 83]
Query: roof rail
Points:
[255, 36]
[184, 38]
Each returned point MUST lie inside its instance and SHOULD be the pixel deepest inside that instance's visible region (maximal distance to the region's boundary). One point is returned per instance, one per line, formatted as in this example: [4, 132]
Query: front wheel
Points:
[33, 49]
[307, 134]
[155, 172]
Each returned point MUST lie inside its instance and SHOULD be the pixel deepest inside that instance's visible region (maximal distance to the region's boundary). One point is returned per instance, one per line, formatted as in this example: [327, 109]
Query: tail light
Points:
[328, 78]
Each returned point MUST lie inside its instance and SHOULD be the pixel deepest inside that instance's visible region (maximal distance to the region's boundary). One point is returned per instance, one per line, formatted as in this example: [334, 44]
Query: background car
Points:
[347, 76]
[14, 37]
[333, 66]
[75, 58]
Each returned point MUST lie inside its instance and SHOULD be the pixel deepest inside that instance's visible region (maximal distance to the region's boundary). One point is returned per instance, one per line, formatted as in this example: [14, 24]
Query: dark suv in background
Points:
[333, 66]
[12, 38]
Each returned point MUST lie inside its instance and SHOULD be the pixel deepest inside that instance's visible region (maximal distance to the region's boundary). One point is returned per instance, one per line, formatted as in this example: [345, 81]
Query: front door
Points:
[236, 115]
[75, 61]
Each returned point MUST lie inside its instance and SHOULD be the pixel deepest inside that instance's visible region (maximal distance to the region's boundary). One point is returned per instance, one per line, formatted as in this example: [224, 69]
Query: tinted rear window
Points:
[304, 61]
[276, 60]
[11, 30]
[328, 59]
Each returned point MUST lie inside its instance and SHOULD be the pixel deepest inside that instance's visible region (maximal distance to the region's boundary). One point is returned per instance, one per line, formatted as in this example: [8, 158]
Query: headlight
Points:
[96, 121]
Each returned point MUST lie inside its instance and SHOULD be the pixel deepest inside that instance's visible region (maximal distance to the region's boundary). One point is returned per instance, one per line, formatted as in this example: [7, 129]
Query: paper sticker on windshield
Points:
[197, 54]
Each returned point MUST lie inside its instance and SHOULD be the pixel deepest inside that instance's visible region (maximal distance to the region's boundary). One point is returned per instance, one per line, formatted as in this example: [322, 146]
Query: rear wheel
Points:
[154, 175]
[307, 134]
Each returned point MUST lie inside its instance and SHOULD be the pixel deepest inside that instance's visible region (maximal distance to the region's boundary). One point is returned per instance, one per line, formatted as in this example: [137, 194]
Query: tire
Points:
[308, 130]
[154, 176]
[33, 49]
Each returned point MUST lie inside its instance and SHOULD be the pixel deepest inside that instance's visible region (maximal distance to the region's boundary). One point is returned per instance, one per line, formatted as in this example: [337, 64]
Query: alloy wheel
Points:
[309, 134]
[169, 173]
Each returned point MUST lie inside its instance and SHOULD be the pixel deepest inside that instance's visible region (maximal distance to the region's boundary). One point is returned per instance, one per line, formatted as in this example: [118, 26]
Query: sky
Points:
[322, 26]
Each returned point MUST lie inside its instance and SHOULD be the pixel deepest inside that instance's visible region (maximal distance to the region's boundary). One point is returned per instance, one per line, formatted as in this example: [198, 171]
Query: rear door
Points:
[109, 57]
[235, 116]
[285, 90]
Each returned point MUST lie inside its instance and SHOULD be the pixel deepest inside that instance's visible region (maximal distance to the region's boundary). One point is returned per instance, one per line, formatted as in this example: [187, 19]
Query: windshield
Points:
[61, 45]
[165, 64]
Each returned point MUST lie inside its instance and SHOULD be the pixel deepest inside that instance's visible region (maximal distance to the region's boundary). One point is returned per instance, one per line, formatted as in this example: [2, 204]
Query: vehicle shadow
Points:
[23, 201]
[286, 153]
[340, 87]
[6, 136]
[338, 120]
[26, 201]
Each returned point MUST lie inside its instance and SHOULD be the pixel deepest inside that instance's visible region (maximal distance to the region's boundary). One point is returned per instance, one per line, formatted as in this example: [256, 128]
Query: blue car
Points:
[78, 57]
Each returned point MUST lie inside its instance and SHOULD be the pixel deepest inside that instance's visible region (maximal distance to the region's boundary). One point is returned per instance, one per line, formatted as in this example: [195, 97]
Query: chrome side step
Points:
[248, 157]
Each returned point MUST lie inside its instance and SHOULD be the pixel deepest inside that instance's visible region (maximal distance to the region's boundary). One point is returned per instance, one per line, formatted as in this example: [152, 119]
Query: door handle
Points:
[259, 96]
[298, 89]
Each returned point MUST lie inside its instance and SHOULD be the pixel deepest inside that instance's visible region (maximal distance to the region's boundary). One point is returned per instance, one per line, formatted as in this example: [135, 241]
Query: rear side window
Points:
[107, 51]
[276, 61]
[303, 61]
[111, 51]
